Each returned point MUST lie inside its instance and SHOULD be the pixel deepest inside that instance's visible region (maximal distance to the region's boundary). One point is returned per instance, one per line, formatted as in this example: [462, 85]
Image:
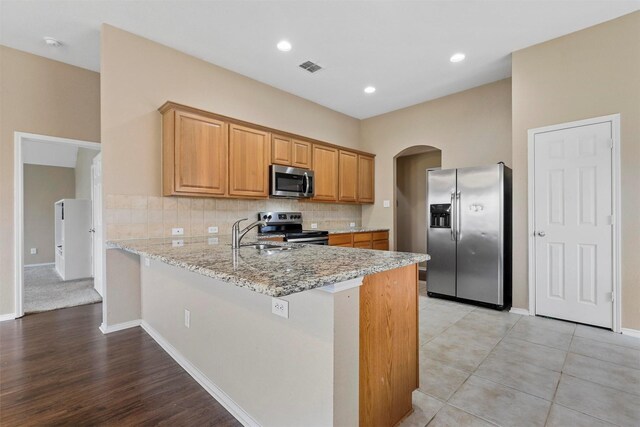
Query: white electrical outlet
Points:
[177, 231]
[177, 243]
[386, 203]
[34, 251]
[280, 307]
[213, 230]
[213, 240]
[187, 318]
[146, 262]
[352, 224]
[314, 225]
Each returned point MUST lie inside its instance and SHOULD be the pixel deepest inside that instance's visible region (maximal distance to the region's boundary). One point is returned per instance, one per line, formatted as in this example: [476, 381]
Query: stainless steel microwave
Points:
[291, 182]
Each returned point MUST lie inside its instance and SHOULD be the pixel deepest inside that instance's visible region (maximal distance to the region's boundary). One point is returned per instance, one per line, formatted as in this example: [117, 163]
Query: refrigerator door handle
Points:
[458, 219]
[453, 214]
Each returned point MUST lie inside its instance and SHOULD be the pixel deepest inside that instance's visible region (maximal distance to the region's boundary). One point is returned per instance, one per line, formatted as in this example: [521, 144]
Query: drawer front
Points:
[340, 239]
[361, 237]
[381, 235]
[381, 245]
[363, 245]
[346, 245]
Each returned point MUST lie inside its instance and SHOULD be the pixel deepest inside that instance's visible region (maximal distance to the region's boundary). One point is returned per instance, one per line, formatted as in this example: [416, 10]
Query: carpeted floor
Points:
[44, 290]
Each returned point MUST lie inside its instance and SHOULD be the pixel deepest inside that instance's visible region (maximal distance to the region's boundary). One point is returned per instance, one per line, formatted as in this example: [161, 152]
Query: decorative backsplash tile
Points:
[139, 217]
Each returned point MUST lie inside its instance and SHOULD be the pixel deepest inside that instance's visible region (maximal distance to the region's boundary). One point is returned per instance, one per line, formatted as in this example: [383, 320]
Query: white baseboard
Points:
[631, 332]
[10, 316]
[40, 265]
[119, 326]
[217, 393]
[522, 311]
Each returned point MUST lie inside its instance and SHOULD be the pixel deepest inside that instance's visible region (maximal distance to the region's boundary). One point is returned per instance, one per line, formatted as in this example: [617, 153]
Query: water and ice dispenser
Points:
[441, 215]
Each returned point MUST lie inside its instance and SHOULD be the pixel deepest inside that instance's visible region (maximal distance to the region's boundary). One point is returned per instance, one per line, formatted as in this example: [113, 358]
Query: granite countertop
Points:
[274, 273]
[358, 230]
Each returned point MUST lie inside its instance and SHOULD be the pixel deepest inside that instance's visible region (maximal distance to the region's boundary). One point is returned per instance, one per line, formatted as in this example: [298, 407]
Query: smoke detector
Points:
[50, 41]
[310, 66]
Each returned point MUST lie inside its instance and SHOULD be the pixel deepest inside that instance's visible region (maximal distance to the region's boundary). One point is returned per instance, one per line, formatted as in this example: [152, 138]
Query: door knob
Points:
[541, 233]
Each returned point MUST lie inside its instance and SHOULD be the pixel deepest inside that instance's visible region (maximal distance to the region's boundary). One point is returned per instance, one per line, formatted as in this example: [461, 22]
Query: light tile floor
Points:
[481, 367]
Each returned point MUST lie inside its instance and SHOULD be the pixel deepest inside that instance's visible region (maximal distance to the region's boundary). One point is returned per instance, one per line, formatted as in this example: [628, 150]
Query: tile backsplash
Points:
[139, 217]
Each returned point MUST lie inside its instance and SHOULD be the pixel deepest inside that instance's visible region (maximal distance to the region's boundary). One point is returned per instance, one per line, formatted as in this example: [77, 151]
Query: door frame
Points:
[616, 195]
[18, 205]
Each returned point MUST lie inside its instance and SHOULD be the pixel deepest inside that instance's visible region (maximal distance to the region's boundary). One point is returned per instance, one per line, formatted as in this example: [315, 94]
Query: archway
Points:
[410, 197]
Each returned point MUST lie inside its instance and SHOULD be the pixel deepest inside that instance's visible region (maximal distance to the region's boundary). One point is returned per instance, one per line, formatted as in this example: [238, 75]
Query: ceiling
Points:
[400, 47]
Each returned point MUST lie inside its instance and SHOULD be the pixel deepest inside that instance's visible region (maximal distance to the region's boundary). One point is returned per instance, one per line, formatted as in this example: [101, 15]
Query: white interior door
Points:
[96, 197]
[572, 223]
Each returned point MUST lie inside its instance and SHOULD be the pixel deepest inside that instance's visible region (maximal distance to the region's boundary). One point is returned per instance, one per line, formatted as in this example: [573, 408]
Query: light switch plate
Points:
[386, 203]
[352, 224]
[213, 230]
[177, 243]
[34, 251]
[213, 240]
[280, 307]
[314, 225]
[177, 231]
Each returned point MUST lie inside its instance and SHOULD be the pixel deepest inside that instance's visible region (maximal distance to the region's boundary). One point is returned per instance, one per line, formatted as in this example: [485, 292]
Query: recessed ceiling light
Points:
[284, 46]
[369, 89]
[457, 57]
[50, 41]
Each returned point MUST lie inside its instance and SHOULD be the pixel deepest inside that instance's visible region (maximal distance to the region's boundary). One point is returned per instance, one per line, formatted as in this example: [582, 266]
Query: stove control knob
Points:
[269, 217]
[264, 217]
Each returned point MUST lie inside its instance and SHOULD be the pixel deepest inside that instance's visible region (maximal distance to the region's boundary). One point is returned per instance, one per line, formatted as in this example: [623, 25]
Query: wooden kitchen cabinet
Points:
[325, 169]
[366, 240]
[249, 154]
[194, 154]
[348, 176]
[366, 177]
[300, 154]
[290, 152]
[280, 150]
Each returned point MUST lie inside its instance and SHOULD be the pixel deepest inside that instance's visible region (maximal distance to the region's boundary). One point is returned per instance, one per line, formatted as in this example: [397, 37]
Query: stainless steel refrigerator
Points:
[469, 234]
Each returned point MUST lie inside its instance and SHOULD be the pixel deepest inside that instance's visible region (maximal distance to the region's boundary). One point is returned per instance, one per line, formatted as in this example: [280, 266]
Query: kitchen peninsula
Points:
[343, 352]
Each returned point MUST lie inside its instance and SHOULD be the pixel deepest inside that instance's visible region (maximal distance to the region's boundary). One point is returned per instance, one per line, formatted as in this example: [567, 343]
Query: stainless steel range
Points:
[289, 224]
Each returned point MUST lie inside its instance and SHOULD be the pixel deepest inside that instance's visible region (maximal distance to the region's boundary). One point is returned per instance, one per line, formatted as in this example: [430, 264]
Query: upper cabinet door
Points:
[325, 169]
[348, 176]
[199, 155]
[280, 150]
[249, 155]
[366, 179]
[300, 154]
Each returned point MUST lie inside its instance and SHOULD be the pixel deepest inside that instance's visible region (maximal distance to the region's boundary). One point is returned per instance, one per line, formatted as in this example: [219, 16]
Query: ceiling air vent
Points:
[311, 67]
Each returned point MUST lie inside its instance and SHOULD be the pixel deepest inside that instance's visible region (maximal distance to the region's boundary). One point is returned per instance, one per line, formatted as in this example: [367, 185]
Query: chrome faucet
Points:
[237, 234]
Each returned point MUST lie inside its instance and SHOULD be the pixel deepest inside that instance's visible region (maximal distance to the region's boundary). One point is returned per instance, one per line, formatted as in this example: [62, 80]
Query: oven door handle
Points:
[308, 239]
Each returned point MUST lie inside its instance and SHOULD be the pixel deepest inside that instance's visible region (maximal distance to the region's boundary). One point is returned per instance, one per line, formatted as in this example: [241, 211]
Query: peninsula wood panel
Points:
[366, 179]
[249, 154]
[388, 346]
[325, 169]
[300, 154]
[195, 155]
[280, 150]
[348, 176]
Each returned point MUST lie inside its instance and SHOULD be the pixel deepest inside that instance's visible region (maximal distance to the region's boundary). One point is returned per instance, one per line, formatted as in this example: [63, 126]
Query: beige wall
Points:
[471, 128]
[43, 186]
[411, 194]
[590, 73]
[83, 172]
[133, 86]
[45, 97]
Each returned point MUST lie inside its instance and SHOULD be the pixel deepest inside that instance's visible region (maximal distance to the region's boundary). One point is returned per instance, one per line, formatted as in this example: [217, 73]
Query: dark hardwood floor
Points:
[58, 368]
